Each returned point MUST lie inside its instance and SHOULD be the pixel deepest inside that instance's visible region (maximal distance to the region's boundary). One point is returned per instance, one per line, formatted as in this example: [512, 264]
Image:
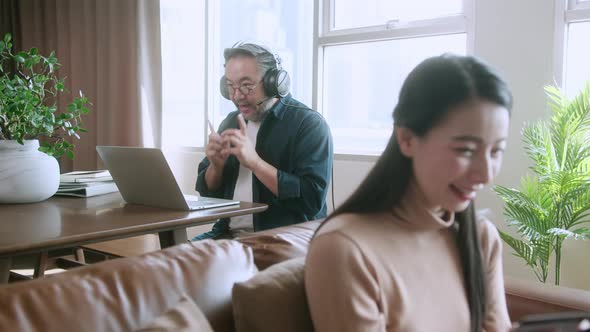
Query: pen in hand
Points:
[211, 126]
[213, 132]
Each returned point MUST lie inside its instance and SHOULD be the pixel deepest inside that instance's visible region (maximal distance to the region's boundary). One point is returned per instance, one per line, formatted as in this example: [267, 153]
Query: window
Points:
[359, 96]
[366, 51]
[194, 35]
[577, 30]
[284, 27]
[183, 67]
[356, 14]
[345, 62]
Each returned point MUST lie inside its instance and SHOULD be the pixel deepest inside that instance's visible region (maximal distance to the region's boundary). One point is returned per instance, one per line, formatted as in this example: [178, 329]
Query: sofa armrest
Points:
[526, 297]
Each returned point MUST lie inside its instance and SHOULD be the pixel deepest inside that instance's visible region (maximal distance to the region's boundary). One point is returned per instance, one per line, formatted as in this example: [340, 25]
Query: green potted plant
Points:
[29, 86]
[552, 204]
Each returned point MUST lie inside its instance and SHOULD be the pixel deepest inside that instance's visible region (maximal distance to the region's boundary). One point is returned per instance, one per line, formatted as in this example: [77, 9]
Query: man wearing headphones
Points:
[273, 149]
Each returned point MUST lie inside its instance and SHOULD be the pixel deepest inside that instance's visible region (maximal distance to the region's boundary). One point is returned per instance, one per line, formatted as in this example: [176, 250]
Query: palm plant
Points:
[553, 204]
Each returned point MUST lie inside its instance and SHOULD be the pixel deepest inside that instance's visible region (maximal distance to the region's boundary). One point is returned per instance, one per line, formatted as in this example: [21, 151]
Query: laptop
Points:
[144, 177]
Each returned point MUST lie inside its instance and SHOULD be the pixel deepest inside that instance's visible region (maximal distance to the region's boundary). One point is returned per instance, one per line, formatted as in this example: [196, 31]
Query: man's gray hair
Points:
[265, 59]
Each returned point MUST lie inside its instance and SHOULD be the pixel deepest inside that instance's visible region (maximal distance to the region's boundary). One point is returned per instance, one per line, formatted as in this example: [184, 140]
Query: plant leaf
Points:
[28, 101]
[550, 204]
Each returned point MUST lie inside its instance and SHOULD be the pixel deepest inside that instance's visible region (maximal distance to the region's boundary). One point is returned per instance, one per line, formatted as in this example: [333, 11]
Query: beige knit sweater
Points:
[381, 272]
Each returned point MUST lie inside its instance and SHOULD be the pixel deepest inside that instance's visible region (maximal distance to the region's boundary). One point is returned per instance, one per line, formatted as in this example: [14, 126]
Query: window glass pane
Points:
[362, 82]
[284, 26]
[183, 63]
[577, 72]
[354, 13]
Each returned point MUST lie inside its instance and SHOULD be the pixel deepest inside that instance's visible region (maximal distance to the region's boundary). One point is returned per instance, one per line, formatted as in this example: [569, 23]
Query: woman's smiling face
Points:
[458, 156]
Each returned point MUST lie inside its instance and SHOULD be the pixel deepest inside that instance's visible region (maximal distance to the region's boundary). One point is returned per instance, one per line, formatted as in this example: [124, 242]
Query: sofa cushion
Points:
[279, 244]
[273, 300]
[183, 317]
[127, 293]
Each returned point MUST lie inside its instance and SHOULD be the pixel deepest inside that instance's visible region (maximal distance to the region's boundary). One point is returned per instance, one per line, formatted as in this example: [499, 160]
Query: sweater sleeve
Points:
[496, 315]
[342, 289]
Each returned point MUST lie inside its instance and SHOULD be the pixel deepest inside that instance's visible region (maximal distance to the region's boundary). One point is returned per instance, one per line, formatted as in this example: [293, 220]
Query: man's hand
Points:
[237, 143]
[214, 150]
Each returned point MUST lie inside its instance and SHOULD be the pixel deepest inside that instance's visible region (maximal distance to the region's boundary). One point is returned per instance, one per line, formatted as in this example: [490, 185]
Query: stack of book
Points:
[86, 183]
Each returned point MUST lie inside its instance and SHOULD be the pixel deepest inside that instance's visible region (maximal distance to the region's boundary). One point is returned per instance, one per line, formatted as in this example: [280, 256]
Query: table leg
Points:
[79, 255]
[171, 238]
[41, 265]
[5, 264]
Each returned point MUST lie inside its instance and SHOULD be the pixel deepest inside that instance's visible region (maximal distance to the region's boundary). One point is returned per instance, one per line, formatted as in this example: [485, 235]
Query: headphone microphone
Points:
[263, 100]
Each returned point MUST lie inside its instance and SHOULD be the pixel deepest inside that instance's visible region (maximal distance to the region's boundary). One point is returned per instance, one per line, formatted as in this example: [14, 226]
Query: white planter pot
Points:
[26, 174]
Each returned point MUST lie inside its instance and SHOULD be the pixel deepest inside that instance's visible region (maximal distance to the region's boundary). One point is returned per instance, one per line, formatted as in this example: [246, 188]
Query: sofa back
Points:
[127, 294]
[528, 297]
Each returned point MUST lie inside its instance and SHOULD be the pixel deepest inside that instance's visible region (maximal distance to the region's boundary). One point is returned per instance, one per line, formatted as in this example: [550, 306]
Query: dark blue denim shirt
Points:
[297, 141]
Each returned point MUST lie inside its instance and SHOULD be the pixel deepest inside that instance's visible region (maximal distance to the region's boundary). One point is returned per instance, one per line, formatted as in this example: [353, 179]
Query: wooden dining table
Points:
[66, 222]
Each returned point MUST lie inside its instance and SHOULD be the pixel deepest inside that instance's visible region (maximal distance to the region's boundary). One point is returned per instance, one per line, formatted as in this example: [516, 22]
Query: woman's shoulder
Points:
[489, 237]
[360, 230]
[486, 227]
[347, 237]
[350, 223]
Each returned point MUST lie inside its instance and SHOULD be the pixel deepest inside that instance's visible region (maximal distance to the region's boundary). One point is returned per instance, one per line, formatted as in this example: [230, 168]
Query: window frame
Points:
[566, 12]
[325, 36]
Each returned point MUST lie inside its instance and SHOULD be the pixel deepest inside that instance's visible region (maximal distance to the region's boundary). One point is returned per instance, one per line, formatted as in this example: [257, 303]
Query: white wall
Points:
[349, 171]
[516, 37]
[184, 166]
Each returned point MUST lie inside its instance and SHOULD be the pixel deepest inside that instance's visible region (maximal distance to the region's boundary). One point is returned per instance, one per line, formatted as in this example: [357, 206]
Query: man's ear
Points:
[406, 140]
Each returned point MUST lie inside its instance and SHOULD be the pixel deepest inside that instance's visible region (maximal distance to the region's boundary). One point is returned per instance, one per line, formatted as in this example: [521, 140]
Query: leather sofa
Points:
[129, 294]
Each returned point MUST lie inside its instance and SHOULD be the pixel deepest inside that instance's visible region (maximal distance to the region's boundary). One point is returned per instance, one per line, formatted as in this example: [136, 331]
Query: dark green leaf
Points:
[28, 101]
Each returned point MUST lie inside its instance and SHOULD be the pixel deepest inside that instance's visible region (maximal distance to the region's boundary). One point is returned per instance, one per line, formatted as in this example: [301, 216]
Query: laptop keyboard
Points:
[199, 203]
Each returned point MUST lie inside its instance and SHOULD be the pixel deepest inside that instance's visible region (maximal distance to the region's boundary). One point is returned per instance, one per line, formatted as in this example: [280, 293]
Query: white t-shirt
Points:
[244, 224]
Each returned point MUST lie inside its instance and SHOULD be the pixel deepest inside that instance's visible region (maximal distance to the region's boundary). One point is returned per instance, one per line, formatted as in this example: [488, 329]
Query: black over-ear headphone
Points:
[276, 81]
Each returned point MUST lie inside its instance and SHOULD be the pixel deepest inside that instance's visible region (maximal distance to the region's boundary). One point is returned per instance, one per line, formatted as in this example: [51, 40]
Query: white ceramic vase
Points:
[26, 174]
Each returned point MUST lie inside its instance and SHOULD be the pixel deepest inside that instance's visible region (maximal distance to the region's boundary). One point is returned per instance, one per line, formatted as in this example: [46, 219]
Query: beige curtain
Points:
[110, 50]
[9, 23]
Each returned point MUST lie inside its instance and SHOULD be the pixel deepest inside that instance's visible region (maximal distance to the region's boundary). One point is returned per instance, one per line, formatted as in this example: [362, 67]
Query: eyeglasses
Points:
[244, 89]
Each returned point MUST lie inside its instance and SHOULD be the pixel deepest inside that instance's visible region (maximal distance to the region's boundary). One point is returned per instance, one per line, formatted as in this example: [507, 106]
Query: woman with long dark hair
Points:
[406, 251]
